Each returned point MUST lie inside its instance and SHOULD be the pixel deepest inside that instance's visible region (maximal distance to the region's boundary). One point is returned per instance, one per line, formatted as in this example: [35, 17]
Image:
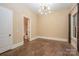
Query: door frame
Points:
[29, 26]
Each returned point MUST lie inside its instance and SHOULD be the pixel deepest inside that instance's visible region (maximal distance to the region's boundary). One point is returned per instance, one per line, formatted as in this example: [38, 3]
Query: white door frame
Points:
[29, 26]
[73, 39]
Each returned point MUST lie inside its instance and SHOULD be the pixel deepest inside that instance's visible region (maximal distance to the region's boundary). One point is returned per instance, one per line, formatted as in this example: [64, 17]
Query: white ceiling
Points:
[54, 6]
[35, 6]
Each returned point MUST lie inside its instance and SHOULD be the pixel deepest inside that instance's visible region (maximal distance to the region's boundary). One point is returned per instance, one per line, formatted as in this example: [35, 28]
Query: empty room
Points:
[39, 29]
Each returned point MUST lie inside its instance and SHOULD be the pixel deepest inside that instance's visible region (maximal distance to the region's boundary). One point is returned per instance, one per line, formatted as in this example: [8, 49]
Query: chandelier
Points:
[44, 9]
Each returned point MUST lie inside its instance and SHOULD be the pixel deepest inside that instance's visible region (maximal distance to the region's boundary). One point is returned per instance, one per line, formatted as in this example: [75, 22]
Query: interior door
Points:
[5, 29]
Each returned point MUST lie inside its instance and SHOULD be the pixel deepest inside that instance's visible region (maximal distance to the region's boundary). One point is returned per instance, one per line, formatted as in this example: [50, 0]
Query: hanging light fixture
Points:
[44, 9]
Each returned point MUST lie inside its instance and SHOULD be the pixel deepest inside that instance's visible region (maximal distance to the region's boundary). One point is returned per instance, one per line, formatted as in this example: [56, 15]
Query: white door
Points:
[5, 29]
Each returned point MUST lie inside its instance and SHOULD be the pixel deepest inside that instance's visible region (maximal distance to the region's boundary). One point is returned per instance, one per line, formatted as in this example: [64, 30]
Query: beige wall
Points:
[54, 25]
[18, 12]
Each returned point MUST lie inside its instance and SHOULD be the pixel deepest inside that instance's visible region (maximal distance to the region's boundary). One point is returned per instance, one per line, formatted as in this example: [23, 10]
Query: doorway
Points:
[69, 40]
[26, 30]
[73, 29]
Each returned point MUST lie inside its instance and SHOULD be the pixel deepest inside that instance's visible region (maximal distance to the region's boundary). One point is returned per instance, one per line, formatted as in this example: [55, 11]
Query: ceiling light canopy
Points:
[44, 9]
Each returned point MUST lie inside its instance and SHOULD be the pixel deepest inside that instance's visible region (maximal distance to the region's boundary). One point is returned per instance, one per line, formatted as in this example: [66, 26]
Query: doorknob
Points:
[9, 34]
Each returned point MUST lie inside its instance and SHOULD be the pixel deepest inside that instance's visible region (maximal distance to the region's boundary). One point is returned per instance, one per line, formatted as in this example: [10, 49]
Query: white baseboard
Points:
[50, 38]
[3, 49]
[17, 45]
[34, 38]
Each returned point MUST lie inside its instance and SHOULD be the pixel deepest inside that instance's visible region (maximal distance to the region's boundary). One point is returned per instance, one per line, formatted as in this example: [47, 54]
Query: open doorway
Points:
[26, 30]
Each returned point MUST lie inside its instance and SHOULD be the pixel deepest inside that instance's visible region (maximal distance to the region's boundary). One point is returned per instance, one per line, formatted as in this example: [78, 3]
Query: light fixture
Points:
[44, 9]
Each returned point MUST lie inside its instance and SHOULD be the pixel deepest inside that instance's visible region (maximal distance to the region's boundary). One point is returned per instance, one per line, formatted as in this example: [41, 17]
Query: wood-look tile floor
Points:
[42, 47]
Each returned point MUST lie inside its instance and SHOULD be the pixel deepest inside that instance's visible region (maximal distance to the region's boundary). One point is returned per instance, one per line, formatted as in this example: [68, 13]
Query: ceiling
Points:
[54, 6]
[35, 6]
